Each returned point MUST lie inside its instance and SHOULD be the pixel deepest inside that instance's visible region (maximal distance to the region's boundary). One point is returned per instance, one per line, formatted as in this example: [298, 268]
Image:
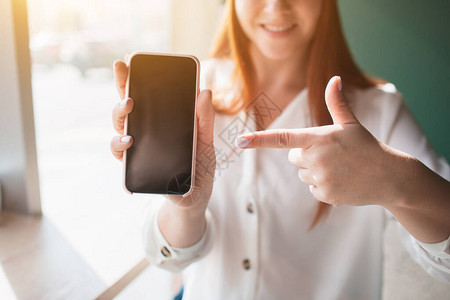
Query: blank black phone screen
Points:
[162, 124]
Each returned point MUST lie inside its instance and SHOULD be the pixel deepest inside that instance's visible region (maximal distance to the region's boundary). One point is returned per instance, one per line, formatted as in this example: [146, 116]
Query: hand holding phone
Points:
[169, 128]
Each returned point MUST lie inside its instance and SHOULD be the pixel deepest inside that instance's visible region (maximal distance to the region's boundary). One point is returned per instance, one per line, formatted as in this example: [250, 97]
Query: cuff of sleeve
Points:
[432, 257]
[168, 253]
[441, 249]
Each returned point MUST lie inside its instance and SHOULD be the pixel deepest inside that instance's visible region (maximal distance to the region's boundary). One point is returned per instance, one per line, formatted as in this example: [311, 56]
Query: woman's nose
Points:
[275, 5]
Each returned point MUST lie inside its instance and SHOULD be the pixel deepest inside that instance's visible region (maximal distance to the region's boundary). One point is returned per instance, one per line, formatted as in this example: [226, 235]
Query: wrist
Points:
[181, 226]
[186, 213]
[402, 170]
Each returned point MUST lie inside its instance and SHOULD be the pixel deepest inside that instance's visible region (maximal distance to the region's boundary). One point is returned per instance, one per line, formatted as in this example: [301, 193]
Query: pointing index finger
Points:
[277, 138]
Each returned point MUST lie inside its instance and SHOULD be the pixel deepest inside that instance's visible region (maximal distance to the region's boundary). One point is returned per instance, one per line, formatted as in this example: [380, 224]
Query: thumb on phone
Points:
[205, 117]
[205, 157]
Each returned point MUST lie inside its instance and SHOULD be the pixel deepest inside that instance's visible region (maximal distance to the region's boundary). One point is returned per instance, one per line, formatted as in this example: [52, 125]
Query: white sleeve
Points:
[160, 253]
[434, 258]
[407, 136]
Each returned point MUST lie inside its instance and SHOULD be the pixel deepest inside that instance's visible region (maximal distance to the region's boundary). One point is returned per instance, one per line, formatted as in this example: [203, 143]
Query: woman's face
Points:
[279, 29]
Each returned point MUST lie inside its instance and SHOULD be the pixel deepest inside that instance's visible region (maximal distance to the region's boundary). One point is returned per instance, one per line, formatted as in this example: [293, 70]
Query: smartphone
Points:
[164, 88]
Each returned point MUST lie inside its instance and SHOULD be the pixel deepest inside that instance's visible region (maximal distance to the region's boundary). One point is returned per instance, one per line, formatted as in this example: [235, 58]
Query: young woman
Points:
[306, 220]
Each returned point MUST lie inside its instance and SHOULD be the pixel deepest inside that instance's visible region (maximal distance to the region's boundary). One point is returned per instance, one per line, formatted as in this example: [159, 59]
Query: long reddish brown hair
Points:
[329, 55]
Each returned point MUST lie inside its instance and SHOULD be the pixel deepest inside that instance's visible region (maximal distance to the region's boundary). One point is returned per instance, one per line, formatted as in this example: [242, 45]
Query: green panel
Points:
[407, 42]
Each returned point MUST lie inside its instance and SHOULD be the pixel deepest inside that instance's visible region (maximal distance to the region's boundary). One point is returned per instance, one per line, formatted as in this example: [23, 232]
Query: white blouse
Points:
[257, 244]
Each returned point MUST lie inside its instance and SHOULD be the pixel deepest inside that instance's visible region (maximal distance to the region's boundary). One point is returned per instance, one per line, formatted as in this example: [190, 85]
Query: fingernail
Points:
[124, 102]
[339, 83]
[241, 142]
[125, 139]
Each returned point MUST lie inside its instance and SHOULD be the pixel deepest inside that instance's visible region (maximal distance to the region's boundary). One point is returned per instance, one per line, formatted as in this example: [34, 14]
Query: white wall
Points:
[18, 166]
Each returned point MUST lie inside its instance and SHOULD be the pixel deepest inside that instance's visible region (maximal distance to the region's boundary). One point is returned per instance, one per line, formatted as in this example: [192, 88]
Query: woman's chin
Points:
[278, 50]
[277, 54]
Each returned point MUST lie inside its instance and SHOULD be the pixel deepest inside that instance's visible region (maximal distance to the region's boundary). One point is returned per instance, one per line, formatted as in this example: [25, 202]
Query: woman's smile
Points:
[278, 30]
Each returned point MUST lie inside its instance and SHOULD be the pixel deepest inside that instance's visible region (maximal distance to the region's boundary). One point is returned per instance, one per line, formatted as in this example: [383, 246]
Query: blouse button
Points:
[165, 252]
[246, 264]
[250, 208]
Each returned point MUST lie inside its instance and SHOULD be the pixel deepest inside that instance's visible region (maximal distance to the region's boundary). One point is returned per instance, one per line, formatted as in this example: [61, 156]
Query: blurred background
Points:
[73, 45]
